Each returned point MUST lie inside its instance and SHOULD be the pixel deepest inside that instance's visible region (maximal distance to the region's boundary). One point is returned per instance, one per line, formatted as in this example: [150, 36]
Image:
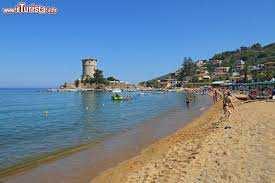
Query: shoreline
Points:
[160, 147]
[210, 149]
[34, 162]
[82, 153]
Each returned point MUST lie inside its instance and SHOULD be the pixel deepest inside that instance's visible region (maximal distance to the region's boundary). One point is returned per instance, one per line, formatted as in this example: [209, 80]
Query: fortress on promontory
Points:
[88, 68]
[93, 79]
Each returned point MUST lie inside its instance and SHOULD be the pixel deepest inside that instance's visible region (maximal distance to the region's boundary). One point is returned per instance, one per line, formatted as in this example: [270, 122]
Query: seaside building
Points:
[237, 74]
[202, 73]
[88, 68]
[269, 65]
[200, 63]
[239, 66]
[256, 68]
[216, 62]
[236, 77]
[221, 71]
[167, 83]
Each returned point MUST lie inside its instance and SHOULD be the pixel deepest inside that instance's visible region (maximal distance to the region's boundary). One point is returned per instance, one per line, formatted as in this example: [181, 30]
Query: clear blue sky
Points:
[133, 40]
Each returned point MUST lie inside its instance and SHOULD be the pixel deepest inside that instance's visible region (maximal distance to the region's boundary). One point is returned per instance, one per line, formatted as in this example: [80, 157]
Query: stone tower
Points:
[88, 68]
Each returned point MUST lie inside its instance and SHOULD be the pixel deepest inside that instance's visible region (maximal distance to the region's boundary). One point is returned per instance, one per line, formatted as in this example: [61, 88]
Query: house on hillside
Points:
[221, 72]
[202, 74]
[203, 77]
[256, 68]
[235, 77]
[216, 62]
[168, 83]
[269, 65]
[239, 65]
[200, 63]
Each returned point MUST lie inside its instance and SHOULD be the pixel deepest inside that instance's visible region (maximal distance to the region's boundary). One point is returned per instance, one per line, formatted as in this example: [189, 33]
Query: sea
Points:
[35, 123]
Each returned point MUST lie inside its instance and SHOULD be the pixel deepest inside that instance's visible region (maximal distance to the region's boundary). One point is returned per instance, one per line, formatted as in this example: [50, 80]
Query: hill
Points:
[256, 54]
[241, 65]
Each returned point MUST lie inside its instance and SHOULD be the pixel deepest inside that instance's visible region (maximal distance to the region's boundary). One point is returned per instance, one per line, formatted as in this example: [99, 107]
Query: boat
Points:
[242, 97]
[117, 90]
[117, 97]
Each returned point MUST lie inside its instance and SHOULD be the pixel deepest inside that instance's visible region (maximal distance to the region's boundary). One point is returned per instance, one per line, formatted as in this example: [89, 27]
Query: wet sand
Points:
[84, 165]
[210, 149]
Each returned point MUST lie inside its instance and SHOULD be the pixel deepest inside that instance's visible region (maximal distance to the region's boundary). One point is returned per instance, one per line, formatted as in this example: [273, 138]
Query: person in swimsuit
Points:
[215, 96]
[227, 104]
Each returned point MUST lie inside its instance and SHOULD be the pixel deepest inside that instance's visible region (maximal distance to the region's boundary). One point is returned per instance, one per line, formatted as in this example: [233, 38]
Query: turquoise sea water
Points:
[73, 118]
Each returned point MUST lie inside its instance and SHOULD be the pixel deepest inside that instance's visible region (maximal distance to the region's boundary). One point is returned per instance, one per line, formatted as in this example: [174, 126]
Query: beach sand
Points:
[210, 149]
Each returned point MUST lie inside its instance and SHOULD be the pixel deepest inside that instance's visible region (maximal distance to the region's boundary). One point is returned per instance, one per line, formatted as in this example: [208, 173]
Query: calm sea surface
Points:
[74, 118]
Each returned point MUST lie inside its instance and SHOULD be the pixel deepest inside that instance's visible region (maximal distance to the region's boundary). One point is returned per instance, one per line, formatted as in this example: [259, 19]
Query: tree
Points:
[256, 46]
[262, 55]
[218, 56]
[151, 83]
[260, 76]
[245, 71]
[188, 68]
[98, 77]
[76, 83]
[87, 80]
[210, 67]
[111, 78]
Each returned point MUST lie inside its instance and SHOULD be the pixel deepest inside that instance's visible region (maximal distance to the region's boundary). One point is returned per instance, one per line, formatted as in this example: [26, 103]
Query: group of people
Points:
[226, 96]
[267, 93]
[223, 94]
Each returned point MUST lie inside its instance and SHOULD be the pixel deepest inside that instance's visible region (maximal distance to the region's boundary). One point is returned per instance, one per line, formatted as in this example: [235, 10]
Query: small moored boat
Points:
[117, 97]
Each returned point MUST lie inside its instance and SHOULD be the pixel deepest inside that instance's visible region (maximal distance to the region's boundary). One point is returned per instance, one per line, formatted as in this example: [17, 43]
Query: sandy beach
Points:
[210, 149]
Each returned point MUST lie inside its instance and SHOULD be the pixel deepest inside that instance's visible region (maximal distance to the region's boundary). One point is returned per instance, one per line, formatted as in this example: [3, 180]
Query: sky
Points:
[133, 40]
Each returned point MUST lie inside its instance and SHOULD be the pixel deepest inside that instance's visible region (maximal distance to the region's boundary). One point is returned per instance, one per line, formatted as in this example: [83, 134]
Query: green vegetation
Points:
[111, 78]
[188, 69]
[252, 56]
[97, 79]
[254, 68]
[77, 83]
[151, 83]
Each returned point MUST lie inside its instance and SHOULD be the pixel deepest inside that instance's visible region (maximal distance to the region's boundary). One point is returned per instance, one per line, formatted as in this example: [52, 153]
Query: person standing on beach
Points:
[227, 104]
[215, 96]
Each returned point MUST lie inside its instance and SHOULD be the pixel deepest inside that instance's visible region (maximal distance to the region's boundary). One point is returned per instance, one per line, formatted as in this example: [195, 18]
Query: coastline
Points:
[43, 159]
[209, 149]
[158, 149]
[85, 158]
